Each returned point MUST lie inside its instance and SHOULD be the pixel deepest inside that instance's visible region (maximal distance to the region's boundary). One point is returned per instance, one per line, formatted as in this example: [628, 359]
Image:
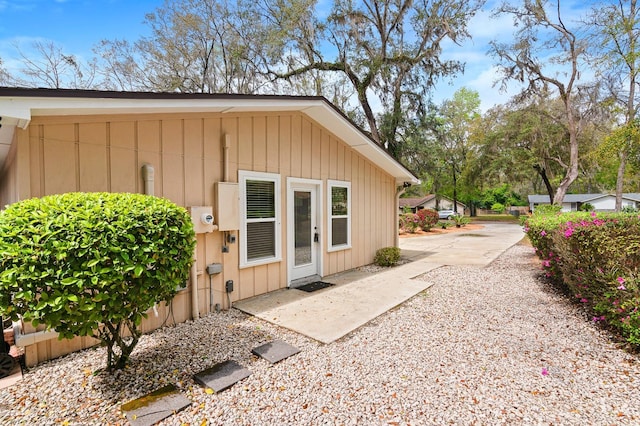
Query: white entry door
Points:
[304, 245]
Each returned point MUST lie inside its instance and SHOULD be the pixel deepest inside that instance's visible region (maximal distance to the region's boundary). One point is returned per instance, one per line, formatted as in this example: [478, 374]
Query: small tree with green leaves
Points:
[92, 264]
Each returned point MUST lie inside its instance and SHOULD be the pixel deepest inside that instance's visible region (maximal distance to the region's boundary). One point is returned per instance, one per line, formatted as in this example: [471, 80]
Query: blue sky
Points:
[75, 24]
[78, 25]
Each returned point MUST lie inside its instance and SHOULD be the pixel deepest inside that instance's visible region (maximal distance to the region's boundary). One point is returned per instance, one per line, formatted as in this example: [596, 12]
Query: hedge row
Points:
[596, 257]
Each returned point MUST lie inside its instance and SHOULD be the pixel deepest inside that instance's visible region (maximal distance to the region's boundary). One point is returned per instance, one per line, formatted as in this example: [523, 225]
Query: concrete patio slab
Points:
[13, 378]
[358, 297]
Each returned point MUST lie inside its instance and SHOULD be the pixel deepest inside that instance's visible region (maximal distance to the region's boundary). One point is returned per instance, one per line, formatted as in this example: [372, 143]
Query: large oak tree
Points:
[616, 53]
[390, 51]
[545, 55]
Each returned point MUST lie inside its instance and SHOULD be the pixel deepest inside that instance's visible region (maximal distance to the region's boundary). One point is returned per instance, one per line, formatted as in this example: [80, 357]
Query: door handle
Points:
[316, 236]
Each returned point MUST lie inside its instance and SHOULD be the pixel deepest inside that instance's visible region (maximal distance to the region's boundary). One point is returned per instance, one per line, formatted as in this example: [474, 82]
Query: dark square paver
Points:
[275, 351]
[151, 408]
[222, 375]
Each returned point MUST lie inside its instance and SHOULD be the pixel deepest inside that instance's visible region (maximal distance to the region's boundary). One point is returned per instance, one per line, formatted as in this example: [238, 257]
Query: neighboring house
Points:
[429, 202]
[600, 202]
[328, 190]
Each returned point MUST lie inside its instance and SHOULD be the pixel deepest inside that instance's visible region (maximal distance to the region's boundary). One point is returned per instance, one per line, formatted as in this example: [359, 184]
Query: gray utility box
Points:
[214, 268]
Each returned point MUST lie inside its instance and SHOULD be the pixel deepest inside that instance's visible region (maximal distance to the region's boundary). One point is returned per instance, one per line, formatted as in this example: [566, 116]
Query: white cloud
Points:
[481, 71]
[487, 84]
[484, 27]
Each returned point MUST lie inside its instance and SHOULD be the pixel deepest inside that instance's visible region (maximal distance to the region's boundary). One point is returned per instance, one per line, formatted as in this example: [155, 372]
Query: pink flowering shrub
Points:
[409, 222]
[539, 229]
[596, 257]
[427, 218]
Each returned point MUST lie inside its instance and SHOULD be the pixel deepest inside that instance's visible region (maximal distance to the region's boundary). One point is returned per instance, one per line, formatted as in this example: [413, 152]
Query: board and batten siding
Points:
[9, 176]
[105, 153]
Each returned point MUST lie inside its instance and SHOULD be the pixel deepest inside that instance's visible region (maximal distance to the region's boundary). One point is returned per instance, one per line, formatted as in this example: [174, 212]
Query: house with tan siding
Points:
[294, 190]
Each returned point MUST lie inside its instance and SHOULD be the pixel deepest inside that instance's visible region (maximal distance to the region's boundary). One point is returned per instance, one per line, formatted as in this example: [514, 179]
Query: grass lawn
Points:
[495, 218]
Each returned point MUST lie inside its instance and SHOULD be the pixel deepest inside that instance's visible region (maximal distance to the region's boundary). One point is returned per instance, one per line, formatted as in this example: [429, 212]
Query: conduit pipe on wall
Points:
[194, 285]
[225, 178]
[148, 177]
[399, 191]
[195, 309]
[226, 146]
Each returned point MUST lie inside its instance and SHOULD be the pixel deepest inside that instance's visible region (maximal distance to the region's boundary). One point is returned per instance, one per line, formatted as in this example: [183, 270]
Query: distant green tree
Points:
[457, 116]
[503, 195]
[615, 49]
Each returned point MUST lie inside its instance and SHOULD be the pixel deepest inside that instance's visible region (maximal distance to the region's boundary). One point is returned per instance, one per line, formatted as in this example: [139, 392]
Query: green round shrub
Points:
[387, 256]
[498, 207]
[586, 207]
[547, 209]
[91, 264]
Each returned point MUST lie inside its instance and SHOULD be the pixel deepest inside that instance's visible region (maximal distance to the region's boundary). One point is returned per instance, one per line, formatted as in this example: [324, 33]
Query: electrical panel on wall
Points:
[202, 218]
[227, 211]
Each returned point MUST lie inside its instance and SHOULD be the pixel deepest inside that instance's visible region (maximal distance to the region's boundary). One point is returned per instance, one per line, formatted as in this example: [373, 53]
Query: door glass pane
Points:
[302, 219]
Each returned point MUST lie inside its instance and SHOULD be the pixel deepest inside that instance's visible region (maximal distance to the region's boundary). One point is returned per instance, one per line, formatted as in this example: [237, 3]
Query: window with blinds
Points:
[260, 239]
[339, 194]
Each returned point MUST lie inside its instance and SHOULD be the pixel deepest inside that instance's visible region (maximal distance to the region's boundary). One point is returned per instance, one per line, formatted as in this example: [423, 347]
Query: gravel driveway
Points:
[482, 346]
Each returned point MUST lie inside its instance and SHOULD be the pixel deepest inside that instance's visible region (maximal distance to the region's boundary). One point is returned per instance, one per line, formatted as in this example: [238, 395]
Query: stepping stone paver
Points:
[222, 376]
[275, 351]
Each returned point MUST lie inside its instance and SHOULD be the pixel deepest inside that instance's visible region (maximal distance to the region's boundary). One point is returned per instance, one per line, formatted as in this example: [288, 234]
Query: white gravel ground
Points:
[482, 346]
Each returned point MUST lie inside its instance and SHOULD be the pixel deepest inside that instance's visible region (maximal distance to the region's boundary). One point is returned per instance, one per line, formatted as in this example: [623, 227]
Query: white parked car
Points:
[447, 214]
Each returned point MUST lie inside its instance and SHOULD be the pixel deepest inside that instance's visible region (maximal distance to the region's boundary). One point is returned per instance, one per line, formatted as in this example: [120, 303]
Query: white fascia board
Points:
[92, 106]
[345, 130]
[320, 111]
[84, 106]
[15, 112]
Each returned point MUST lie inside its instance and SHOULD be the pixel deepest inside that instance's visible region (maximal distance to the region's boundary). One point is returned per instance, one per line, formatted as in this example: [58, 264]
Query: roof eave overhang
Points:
[17, 111]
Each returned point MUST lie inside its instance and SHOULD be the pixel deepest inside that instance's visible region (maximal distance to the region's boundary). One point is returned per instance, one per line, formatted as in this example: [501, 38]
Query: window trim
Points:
[243, 177]
[330, 185]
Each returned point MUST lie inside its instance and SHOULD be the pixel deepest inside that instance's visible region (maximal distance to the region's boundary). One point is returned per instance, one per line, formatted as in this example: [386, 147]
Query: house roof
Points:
[415, 202]
[19, 105]
[582, 198]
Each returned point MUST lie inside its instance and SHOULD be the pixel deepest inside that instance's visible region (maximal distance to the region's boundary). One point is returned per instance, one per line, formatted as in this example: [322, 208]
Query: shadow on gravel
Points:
[198, 345]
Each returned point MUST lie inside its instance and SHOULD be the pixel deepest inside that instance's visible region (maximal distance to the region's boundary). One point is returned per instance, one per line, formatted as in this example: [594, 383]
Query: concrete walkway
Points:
[358, 297]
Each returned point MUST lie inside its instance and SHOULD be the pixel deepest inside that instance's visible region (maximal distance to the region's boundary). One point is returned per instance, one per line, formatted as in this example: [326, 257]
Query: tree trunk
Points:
[455, 190]
[111, 337]
[543, 174]
[572, 171]
[631, 110]
[620, 179]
